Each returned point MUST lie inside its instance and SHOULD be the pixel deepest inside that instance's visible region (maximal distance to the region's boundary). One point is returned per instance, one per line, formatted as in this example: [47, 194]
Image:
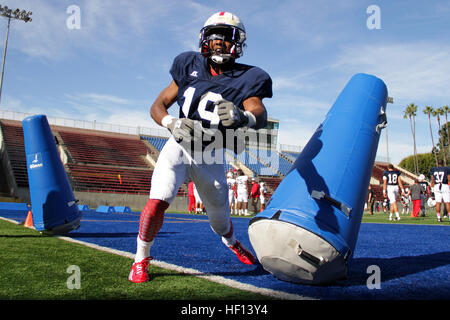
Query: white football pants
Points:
[175, 165]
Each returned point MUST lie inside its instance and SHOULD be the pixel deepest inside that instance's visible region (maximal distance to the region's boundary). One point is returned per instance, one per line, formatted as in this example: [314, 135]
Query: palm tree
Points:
[437, 113]
[410, 113]
[446, 111]
[428, 111]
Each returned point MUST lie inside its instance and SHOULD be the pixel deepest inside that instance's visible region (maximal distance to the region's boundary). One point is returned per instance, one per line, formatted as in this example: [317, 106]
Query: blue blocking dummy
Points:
[55, 210]
[308, 232]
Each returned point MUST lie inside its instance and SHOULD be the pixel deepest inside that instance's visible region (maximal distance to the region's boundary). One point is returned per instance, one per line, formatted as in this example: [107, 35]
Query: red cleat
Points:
[139, 271]
[243, 254]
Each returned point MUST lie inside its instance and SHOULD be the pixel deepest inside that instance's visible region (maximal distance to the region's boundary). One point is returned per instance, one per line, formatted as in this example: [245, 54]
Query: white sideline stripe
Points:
[10, 220]
[189, 271]
[197, 273]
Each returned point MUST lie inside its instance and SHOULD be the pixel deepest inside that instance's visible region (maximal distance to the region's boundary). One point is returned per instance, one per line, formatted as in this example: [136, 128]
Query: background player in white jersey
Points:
[242, 192]
[262, 195]
[216, 95]
[440, 177]
[391, 184]
[386, 205]
[406, 201]
[231, 182]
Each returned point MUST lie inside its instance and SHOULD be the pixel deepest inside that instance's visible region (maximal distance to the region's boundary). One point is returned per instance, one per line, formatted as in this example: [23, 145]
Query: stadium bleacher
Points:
[15, 147]
[87, 147]
[91, 178]
[157, 142]
[228, 160]
[272, 159]
[378, 192]
[250, 160]
[290, 156]
[100, 162]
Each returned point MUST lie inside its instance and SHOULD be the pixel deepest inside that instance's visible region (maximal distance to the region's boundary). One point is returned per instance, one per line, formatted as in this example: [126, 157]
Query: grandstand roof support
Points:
[389, 100]
[10, 14]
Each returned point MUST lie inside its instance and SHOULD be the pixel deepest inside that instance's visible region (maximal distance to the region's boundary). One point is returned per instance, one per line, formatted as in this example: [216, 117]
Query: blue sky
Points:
[113, 67]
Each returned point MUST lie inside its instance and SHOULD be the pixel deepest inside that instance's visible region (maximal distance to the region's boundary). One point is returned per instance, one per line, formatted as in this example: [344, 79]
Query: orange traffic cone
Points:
[29, 221]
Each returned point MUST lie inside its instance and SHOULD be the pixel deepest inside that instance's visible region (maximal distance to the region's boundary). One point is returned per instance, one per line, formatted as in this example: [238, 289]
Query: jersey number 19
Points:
[212, 117]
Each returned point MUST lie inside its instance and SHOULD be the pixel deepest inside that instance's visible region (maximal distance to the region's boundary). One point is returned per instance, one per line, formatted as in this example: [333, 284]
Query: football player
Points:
[406, 201]
[254, 194]
[262, 195]
[191, 197]
[242, 193]
[231, 182]
[424, 195]
[391, 183]
[439, 185]
[199, 206]
[215, 94]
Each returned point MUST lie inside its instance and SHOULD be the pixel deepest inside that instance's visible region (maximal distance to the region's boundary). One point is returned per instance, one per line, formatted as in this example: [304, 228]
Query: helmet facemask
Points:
[227, 33]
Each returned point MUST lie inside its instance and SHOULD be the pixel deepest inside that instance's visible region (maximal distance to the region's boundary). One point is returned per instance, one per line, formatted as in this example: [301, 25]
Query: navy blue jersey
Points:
[391, 177]
[440, 174]
[424, 185]
[198, 89]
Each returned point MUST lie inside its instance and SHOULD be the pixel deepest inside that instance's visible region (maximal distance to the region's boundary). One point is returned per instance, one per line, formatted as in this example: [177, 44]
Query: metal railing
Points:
[124, 129]
[85, 124]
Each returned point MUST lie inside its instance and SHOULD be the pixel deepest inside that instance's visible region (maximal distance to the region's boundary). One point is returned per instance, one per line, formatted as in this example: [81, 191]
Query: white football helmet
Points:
[421, 177]
[431, 202]
[227, 27]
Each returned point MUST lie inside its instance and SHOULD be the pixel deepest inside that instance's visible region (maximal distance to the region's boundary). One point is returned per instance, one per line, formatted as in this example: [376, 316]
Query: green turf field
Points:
[35, 267]
[430, 218]
[378, 217]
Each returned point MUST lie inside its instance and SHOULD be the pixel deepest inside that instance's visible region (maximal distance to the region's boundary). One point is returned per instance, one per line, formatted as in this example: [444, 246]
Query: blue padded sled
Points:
[309, 229]
[55, 209]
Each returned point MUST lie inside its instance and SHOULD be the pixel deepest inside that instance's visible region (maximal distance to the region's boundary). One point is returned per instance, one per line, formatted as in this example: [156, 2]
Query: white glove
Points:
[182, 129]
[233, 117]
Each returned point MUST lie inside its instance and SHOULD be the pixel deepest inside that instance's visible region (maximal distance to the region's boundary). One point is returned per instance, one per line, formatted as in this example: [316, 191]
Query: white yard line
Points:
[197, 273]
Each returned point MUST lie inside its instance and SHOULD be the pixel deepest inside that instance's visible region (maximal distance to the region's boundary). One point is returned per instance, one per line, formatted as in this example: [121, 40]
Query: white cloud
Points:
[102, 108]
[401, 150]
[11, 103]
[132, 118]
[292, 83]
[109, 108]
[414, 71]
[42, 37]
[314, 23]
[291, 106]
[112, 28]
[101, 99]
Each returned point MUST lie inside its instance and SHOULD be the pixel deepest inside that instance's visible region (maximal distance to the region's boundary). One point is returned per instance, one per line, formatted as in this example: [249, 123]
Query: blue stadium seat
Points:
[157, 142]
[291, 156]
